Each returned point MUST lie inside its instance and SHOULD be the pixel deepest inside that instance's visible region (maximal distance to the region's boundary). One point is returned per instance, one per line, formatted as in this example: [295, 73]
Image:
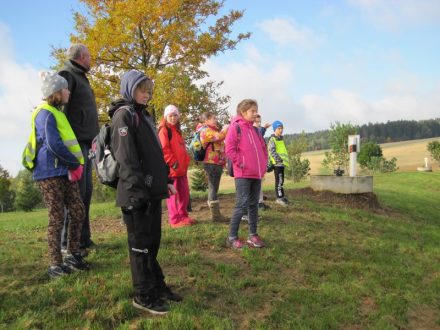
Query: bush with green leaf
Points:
[27, 195]
[368, 151]
[199, 180]
[299, 169]
[434, 148]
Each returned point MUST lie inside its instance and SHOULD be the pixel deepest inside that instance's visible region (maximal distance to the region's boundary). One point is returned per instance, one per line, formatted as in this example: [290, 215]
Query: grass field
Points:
[327, 266]
[409, 154]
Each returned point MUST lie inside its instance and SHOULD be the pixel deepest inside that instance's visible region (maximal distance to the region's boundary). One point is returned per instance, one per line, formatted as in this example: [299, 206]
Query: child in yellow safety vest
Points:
[279, 159]
[54, 156]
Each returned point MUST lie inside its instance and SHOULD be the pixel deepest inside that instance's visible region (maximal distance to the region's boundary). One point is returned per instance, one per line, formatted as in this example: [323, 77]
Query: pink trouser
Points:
[177, 204]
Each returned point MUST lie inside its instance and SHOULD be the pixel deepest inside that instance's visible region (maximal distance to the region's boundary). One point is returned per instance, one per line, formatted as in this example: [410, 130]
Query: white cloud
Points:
[272, 84]
[286, 32]
[19, 93]
[265, 81]
[397, 14]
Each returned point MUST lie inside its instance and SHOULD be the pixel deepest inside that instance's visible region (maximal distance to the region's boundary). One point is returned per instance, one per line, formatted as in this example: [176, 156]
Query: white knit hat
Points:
[170, 109]
[51, 83]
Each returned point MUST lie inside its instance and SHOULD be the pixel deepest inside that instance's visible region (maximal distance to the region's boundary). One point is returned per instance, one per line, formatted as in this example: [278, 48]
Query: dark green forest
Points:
[391, 131]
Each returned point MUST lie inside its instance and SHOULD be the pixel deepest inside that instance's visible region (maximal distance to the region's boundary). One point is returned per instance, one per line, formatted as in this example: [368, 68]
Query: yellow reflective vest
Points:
[66, 134]
[281, 150]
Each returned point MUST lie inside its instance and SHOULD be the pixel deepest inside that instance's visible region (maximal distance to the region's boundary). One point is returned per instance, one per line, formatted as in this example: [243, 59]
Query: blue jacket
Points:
[53, 158]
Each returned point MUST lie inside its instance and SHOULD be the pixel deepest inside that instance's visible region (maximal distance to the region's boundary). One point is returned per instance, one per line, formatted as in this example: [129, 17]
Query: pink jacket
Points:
[247, 152]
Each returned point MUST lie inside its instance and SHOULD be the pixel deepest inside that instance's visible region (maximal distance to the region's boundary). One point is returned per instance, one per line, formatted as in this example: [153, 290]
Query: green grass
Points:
[326, 266]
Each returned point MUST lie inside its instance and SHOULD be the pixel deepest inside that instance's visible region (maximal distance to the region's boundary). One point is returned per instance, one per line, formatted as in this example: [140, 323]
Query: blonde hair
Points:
[245, 105]
[55, 99]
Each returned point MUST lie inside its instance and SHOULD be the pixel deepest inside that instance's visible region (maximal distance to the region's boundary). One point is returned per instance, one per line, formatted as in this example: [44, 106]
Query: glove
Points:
[75, 175]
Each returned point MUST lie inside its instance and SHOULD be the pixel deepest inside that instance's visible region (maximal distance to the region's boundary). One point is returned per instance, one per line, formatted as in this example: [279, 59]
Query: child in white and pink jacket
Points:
[246, 149]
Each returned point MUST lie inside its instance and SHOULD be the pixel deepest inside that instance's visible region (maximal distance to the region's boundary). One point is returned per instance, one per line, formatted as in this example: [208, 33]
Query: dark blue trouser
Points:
[247, 195]
[85, 189]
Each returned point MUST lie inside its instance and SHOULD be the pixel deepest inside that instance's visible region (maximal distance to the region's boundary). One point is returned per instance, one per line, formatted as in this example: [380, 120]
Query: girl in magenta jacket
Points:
[246, 149]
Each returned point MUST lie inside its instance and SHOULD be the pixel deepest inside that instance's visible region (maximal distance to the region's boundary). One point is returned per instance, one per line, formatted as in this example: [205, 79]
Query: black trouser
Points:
[144, 233]
[279, 181]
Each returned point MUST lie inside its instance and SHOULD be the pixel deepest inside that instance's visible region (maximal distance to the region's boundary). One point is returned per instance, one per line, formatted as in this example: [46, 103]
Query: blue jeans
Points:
[247, 195]
[85, 189]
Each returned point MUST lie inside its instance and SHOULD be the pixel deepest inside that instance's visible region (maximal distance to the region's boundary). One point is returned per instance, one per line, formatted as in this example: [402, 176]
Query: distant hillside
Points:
[391, 131]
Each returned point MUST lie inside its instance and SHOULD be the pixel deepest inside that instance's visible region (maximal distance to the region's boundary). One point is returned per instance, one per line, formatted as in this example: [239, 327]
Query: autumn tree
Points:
[167, 40]
[339, 156]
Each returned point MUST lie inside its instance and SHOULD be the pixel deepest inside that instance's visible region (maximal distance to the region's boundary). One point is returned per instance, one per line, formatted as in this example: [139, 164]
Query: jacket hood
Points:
[129, 82]
[115, 105]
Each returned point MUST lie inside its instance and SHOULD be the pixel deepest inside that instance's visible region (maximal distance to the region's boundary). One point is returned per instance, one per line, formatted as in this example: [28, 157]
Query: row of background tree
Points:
[391, 131]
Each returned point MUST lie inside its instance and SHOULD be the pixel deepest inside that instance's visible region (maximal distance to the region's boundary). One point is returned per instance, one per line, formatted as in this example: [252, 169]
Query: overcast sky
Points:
[308, 63]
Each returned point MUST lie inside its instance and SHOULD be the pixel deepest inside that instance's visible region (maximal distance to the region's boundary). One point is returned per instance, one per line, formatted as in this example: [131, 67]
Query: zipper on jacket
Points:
[256, 151]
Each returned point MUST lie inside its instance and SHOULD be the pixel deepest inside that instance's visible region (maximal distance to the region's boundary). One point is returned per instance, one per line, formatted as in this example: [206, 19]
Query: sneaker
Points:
[263, 207]
[255, 241]
[189, 221]
[236, 244]
[154, 306]
[180, 224]
[245, 218]
[58, 271]
[166, 293]
[282, 201]
[76, 262]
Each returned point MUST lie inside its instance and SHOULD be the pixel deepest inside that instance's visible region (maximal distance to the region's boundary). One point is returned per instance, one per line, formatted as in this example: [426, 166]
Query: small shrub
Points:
[199, 180]
[368, 151]
[434, 148]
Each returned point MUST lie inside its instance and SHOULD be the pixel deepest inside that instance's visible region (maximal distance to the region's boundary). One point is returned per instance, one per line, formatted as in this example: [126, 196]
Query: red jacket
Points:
[174, 150]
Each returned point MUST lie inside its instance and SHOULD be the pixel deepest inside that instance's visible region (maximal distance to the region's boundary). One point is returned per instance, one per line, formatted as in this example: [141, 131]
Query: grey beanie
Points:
[51, 82]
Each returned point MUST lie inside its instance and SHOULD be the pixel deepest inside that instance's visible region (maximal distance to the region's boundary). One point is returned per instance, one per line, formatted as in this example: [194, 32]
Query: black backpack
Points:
[105, 164]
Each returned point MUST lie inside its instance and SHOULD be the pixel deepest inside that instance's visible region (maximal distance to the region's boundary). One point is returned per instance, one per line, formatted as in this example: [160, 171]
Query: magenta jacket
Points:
[247, 152]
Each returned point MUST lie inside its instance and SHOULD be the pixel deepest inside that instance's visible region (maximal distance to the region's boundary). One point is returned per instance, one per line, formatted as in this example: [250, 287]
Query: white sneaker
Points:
[281, 201]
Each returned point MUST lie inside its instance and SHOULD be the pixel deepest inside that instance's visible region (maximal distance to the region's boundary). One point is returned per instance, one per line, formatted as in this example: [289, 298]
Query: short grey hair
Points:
[74, 52]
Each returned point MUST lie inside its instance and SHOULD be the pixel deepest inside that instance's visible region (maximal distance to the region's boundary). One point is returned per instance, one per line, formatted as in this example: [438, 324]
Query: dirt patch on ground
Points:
[424, 317]
[200, 209]
[366, 201]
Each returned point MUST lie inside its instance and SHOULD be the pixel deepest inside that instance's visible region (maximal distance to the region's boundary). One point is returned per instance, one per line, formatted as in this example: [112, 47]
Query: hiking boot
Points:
[216, 215]
[255, 241]
[236, 244]
[166, 293]
[58, 271]
[282, 201]
[152, 305]
[263, 207]
[76, 262]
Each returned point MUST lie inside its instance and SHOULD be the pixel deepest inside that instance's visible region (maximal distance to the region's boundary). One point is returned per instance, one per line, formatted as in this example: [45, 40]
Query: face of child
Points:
[65, 94]
[142, 95]
[212, 121]
[250, 114]
[279, 131]
[172, 119]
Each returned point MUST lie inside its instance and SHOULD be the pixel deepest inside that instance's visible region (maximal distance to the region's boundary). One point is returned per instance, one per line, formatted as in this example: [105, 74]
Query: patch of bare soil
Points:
[201, 212]
[367, 201]
[424, 317]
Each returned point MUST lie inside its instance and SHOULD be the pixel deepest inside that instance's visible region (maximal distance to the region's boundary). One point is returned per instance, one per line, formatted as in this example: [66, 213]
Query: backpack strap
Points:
[169, 132]
[134, 115]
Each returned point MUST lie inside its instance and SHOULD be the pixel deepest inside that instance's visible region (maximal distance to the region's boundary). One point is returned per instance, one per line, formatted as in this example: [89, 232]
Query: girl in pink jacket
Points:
[246, 149]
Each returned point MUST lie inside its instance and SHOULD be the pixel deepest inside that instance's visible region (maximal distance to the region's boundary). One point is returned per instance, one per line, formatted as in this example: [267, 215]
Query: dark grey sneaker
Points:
[76, 262]
[152, 305]
[166, 293]
[58, 271]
